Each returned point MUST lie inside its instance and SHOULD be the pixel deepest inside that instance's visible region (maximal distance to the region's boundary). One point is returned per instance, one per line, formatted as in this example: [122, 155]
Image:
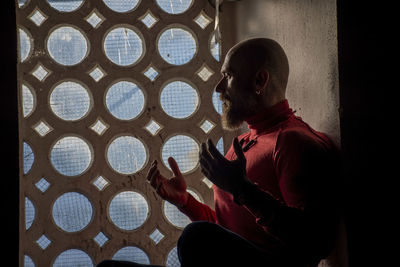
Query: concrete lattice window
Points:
[106, 87]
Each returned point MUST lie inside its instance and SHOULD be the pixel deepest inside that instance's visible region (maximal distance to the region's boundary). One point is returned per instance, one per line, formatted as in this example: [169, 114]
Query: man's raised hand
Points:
[174, 189]
[227, 175]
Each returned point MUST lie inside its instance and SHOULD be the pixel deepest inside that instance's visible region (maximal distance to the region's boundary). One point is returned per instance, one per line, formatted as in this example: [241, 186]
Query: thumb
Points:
[238, 150]
[174, 167]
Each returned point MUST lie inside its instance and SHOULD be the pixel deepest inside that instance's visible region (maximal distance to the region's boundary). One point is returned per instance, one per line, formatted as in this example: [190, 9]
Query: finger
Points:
[158, 187]
[204, 152]
[214, 151]
[206, 157]
[238, 149]
[174, 167]
[204, 164]
[151, 171]
[154, 179]
[206, 173]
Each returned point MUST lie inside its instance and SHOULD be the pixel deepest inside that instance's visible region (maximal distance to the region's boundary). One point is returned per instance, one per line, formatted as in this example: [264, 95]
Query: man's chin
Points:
[229, 123]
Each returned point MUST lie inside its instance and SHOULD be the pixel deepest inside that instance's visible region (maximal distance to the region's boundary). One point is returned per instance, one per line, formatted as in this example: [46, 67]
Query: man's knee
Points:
[197, 233]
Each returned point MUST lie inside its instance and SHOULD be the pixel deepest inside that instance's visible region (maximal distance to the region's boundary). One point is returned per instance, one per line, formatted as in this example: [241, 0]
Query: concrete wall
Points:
[307, 30]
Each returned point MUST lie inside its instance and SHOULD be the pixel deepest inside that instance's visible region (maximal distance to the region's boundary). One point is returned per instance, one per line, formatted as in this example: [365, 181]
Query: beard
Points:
[236, 109]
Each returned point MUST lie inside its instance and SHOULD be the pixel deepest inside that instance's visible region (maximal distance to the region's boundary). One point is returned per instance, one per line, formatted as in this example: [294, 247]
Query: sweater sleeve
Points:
[305, 221]
[197, 211]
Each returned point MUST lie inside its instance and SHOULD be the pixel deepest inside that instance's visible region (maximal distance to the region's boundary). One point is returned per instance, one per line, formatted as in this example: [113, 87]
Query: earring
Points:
[258, 92]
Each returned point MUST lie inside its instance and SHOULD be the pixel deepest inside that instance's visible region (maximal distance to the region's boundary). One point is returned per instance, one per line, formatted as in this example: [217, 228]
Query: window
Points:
[106, 87]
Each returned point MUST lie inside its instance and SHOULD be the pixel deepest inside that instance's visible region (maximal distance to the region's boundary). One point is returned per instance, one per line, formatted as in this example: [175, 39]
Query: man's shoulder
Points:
[298, 132]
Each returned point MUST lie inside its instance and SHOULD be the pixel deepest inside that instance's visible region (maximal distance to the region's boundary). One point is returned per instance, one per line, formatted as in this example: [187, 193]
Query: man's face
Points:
[236, 92]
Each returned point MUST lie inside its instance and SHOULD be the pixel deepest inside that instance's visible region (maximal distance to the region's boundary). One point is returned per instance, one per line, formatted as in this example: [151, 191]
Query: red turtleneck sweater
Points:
[291, 204]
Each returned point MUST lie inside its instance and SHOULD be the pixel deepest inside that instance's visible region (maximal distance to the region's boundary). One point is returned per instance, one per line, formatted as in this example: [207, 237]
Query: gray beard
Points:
[230, 119]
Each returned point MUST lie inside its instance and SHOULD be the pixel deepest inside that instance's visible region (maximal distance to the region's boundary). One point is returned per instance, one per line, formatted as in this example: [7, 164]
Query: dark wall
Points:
[365, 54]
[9, 135]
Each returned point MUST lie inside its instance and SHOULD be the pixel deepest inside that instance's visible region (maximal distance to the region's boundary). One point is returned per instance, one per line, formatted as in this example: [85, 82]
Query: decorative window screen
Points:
[106, 87]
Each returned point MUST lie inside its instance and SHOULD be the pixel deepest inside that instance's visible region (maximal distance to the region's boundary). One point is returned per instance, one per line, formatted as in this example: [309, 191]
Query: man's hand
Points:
[174, 189]
[227, 175]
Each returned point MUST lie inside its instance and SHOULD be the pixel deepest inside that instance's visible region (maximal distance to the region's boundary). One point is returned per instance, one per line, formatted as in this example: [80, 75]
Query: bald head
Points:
[254, 77]
[262, 53]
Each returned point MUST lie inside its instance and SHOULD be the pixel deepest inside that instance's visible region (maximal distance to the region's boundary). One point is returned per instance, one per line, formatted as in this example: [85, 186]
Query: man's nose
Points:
[220, 87]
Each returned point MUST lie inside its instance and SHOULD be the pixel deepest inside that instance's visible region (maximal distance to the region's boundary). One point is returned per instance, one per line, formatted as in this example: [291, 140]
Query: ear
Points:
[262, 79]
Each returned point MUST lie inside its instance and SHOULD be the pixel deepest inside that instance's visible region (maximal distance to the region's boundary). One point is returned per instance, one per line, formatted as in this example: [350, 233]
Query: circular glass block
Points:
[215, 48]
[67, 45]
[29, 213]
[174, 6]
[28, 262]
[65, 5]
[128, 210]
[184, 150]
[179, 99]
[217, 103]
[175, 216]
[72, 212]
[126, 154]
[25, 45]
[131, 254]
[29, 157]
[121, 5]
[125, 100]
[73, 258]
[71, 156]
[172, 258]
[28, 100]
[177, 46]
[70, 101]
[220, 146]
[123, 46]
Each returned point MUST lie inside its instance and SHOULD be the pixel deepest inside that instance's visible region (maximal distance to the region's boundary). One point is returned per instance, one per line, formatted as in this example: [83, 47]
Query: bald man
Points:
[275, 188]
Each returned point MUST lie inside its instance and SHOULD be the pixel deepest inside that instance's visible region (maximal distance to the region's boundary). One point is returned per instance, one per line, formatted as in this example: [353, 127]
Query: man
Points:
[275, 188]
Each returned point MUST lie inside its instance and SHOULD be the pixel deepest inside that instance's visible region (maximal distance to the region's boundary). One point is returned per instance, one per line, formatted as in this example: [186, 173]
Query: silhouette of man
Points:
[274, 190]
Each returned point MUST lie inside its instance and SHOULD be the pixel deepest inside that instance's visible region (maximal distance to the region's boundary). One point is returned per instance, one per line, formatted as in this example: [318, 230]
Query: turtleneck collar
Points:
[269, 117]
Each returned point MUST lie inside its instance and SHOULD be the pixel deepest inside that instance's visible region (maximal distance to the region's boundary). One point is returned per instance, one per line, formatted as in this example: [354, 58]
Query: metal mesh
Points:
[133, 254]
[217, 103]
[70, 101]
[125, 100]
[27, 100]
[123, 46]
[184, 150]
[65, 5]
[172, 259]
[128, 210]
[29, 213]
[29, 157]
[72, 212]
[73, 258]
[175, 216]
[28, 262]
[179, 99]
[67, 45]
[177, 46]
[126, 155]
[24, 45]
[121, 5]
[174, 6]
[71, 156]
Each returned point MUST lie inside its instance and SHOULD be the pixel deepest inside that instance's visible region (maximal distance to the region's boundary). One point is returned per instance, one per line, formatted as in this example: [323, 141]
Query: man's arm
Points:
[174, 191]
